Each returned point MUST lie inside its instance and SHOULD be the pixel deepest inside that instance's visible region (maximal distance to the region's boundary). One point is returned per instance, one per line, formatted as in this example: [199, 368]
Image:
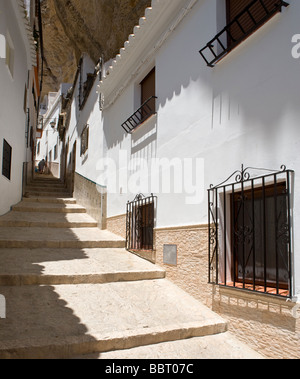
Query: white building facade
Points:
[198, 155]
[18, 56]
[49, 146]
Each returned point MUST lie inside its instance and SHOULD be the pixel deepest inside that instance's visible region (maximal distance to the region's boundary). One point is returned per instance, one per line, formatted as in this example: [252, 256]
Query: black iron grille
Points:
[6, 160]
[245, 23]
[250, 232]
[141, 115]
[140, 222]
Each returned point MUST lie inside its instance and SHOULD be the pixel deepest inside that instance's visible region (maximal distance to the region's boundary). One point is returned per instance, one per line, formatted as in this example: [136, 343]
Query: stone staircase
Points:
[72, 290]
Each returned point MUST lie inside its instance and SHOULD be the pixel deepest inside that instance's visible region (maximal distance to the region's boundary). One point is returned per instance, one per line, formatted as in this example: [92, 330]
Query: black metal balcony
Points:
[225, 41]
[141, 115]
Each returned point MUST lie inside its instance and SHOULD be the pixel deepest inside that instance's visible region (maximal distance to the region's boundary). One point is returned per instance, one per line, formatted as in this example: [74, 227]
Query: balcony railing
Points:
[224, 41]
[141, 115]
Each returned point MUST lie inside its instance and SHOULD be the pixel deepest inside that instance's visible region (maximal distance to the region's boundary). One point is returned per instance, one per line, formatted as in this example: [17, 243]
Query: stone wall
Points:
[191, 271]
[117, 225]
[92, 197]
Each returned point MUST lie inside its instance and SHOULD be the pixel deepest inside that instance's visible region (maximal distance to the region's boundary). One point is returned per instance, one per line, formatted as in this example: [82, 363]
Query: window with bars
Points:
[6, 160]
[140, 223]
[250, 232]
[244, 17]
[84, 140]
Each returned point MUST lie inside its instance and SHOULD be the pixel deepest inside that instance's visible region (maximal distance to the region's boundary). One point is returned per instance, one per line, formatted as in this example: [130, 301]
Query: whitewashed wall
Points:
[12, 115]
[243, 111]
[50, 136]
[90, 114]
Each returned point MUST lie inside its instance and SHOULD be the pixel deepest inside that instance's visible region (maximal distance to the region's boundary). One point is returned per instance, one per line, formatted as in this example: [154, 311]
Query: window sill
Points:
[234, 47]
[152, 118]
[259, 290]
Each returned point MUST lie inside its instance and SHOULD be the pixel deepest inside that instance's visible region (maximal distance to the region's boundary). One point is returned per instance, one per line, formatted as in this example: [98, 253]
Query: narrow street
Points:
[150, 197]
[73, 291]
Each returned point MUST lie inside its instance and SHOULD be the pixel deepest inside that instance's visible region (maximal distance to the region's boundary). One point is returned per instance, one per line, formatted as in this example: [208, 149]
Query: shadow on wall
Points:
[259, 89]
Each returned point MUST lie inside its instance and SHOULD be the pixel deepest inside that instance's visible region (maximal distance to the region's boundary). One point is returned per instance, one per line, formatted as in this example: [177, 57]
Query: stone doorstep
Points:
[72, 346]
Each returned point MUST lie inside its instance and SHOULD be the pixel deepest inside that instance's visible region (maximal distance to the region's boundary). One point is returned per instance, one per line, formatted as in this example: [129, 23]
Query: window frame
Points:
[84, 140]
[6, 161]
[148, 104]
[223, 249]
[140, 222]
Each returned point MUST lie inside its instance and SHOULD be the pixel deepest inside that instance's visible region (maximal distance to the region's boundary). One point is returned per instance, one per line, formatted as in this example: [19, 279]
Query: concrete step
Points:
[47, 184]
[73, 266]
[28, 206]
[45, 178]
[47, 220]
[72, 320]
[45, 188]
[36, 199]
[77, 238]
[63, 194]
[218, 346]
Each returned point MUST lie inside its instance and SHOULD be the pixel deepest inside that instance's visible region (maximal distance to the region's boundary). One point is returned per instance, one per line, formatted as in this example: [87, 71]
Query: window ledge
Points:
[152, 118]
[250, 293]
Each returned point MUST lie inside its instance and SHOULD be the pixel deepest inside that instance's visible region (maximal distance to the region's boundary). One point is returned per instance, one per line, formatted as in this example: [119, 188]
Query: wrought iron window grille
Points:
[140, 221]
[217, 48]
[250, 231]
[146, 110]
[6, 159]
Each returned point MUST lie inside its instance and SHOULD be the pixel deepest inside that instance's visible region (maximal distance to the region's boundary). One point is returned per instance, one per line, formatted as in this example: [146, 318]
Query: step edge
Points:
[72, 346]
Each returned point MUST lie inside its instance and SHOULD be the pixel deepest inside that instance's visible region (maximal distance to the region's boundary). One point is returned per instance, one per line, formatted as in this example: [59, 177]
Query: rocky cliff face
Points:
[71, 27]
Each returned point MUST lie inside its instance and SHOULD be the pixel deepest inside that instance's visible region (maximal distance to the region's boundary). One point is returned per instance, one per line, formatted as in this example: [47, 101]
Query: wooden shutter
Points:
[147, 91]
[148, 86]
[257, 10]
[6, 160]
